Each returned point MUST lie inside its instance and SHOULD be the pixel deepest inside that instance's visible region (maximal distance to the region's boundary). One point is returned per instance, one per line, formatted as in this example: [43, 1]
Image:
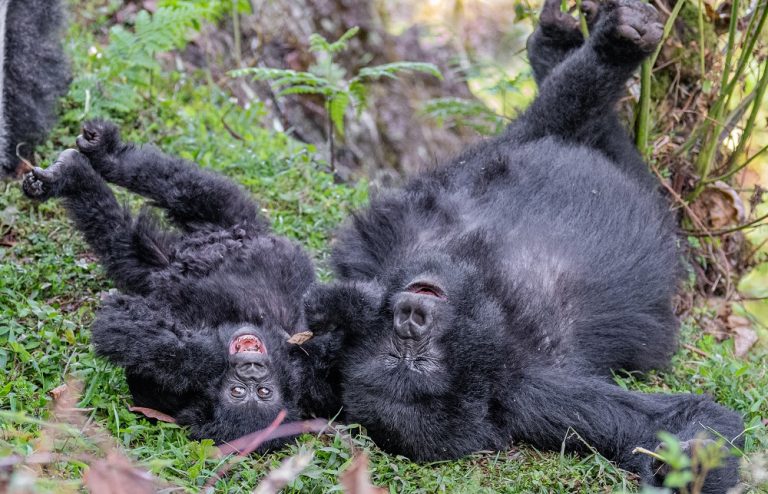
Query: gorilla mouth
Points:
[247, 343]
[424, 288]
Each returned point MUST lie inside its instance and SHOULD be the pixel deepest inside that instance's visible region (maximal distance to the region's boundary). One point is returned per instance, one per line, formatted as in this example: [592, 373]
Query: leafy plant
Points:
[732, 102]
[120, 77]
[463, 112]
[327, 79]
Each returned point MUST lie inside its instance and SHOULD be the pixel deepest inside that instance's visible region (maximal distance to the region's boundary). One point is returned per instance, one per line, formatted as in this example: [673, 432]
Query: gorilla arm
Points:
[148, 342]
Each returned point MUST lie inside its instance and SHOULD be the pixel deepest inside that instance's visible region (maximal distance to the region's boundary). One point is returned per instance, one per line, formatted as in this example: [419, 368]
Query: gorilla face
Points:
[255, 385]
[423, 362]
[238, 377]
[249, 377]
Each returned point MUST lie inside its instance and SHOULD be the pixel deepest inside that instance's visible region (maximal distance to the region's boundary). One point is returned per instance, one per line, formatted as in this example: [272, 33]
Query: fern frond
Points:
[359, 93]
[390, 70]
[303, 89]
[337, 106]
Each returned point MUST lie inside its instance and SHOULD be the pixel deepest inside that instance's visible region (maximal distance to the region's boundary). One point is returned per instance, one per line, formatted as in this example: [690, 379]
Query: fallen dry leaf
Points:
[58, 391]
[735, 321]
[719, 206]
[116, 475]
[153, 414]
[357, 480]
[743, 339]
[301, 338]
[281, 476]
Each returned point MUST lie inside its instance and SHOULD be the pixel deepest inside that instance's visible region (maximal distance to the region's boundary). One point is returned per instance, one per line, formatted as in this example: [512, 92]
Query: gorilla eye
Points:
[237, 391]
[264, 392]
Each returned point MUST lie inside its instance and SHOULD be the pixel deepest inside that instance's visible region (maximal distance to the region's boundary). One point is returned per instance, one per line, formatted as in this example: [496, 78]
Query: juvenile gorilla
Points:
[488, 300]
[202, 323]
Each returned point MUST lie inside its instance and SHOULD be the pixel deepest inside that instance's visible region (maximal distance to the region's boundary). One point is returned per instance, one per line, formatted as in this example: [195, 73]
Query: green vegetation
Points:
[50, 286]
[327, 79]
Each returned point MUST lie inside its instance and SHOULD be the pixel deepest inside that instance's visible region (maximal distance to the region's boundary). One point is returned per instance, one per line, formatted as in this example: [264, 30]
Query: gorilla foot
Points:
[98, 139]
[630, 31]
[42, 184]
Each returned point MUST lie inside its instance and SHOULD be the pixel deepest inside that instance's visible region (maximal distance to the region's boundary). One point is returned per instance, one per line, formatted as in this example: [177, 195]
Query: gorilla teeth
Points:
[246, 343]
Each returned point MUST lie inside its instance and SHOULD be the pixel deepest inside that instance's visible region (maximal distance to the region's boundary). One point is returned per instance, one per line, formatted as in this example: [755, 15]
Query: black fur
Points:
[487, 301]
[35, 75]
[187, 296]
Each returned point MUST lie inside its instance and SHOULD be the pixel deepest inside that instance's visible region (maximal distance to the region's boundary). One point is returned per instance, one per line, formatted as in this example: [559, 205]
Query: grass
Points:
[50, 286]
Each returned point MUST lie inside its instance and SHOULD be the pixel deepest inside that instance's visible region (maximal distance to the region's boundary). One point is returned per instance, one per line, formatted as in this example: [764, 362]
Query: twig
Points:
[726, 231]
[228, 128]
[699, 351]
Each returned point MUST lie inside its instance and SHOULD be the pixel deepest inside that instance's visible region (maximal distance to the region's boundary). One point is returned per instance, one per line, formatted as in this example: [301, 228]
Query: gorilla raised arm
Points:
[487, 301]
[202, 325]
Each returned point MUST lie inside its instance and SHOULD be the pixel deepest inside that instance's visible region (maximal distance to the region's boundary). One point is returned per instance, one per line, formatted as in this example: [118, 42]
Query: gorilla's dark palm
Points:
[487, 301]
[204, 314]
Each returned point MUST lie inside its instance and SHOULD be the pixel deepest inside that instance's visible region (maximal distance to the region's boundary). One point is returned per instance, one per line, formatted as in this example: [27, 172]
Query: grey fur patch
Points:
[3, 126]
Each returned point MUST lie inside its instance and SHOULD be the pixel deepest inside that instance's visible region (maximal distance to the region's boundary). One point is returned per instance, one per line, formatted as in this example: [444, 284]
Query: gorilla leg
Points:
[129, 249]
[548, 405]
[586, 79]
[194, 198]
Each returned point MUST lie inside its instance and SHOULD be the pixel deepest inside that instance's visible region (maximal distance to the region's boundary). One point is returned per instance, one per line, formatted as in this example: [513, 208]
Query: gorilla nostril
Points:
[402, 315]
[418, 317]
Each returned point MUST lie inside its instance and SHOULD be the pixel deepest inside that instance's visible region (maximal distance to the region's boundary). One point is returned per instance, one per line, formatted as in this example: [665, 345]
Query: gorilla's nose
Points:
[413, 318]
[251, 370]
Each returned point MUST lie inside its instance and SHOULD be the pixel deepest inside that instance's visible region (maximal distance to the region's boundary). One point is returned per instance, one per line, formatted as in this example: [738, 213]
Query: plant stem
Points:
[667, 29]
[331, 144]
[750, 125]
[236, 34]
[582, 20]
[644, 109]
[711, 129]
[702, 67]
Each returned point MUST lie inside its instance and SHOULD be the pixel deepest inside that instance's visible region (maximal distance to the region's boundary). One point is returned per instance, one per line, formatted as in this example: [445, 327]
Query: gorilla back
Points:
[488, 300]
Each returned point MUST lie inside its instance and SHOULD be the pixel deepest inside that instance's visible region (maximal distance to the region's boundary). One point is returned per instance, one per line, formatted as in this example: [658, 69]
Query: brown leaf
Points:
[116, 475]
[719, 206]
[743, 339]
[58, 391]
[281, 476]
[301, 338]
[735, 321]
[357, 480]
[153, 414]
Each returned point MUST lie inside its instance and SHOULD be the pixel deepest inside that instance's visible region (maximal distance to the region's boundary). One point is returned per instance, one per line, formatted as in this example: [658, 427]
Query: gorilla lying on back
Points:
[202, 323]
[487, 301]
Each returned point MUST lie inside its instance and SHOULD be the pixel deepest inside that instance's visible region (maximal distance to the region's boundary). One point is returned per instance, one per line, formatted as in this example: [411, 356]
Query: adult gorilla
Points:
[488, 300]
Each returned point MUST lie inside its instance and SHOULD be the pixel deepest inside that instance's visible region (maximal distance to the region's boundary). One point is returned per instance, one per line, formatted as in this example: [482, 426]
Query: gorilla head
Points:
[420, 350]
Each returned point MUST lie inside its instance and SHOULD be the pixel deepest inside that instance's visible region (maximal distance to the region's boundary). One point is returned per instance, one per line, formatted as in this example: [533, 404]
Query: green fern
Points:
[328, 79]
[121, 75]
[460, 112]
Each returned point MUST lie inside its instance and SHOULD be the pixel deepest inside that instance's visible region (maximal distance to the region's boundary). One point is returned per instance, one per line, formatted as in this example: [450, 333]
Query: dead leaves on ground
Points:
[153, 414]
[727, 324]
[72, 436]
[357, 479]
